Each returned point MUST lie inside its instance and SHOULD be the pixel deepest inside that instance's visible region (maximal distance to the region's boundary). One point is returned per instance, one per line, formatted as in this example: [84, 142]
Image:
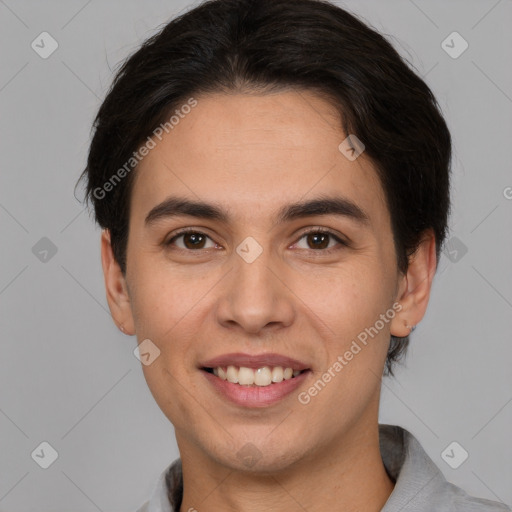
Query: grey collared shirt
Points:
[419, 484]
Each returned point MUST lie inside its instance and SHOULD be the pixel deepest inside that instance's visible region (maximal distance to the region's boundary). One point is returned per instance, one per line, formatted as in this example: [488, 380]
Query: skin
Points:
[252, 154]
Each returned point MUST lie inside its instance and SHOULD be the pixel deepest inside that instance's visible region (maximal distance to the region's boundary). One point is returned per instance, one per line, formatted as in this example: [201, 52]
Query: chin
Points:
[260, 455]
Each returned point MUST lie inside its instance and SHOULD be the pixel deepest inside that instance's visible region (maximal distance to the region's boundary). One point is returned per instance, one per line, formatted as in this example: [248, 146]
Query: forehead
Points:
[255, 153]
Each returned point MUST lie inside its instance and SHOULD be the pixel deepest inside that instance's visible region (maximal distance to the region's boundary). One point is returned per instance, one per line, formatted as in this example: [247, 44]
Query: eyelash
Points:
[319, 231]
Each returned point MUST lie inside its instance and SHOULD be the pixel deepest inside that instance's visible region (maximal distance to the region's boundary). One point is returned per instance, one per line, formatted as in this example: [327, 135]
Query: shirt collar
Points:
[414, 473]
[168, 492]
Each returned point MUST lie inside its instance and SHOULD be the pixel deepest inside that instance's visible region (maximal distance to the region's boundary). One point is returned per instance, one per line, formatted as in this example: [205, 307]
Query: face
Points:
[285, 262]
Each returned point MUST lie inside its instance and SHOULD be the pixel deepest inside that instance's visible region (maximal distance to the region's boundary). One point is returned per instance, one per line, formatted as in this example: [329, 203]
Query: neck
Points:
[348, 475]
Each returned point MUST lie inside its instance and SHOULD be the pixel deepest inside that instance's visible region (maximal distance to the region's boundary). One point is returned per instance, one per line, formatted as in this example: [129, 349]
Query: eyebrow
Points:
[340, 206]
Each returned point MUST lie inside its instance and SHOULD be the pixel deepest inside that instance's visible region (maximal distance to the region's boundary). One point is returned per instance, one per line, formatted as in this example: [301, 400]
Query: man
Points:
[272, 182]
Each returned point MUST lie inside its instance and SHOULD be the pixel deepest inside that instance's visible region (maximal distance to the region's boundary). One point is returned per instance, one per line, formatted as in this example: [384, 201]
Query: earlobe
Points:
[115, 287]
[415, 286]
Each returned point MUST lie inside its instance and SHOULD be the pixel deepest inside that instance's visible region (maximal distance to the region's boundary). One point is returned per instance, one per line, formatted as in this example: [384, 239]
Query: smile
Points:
[262, 377]
[254, 380]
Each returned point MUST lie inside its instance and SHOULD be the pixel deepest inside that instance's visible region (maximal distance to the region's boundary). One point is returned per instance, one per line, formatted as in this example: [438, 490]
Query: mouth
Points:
[254, 381]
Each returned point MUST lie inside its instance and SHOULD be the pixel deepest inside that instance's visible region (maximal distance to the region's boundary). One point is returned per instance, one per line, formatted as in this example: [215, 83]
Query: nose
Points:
[255, 297]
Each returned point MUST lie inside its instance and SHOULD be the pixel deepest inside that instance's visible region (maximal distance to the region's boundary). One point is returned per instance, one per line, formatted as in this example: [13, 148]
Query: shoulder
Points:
[419, 484]
[455, 499]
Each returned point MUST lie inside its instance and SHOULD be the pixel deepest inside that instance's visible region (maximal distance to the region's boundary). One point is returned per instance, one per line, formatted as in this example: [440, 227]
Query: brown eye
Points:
[192, 240]
[317, 240]
[320, 240]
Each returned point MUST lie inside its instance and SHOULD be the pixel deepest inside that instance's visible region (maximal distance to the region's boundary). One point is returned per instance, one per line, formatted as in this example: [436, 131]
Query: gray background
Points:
[69, 377]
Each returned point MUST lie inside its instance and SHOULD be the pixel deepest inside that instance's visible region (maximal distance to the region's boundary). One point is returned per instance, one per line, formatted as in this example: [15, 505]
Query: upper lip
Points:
[254, 361]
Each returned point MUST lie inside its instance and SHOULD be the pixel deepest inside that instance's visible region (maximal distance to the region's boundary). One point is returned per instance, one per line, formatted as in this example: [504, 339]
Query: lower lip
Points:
[255, 396]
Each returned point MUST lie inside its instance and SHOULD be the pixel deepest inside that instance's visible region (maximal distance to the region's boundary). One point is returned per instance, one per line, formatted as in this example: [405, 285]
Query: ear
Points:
[414, 287]
[115, 286]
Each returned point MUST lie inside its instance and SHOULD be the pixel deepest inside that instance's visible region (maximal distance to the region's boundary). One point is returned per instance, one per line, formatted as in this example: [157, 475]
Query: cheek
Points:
[349, 303]
[168, 307]
[345, 299]
[161, 298]
[167, 314]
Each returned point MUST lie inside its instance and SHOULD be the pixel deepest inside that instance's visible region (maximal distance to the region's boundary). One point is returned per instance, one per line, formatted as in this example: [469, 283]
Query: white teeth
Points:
[232, 374]
[245, 376]
[262, 377]
[277, 374]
